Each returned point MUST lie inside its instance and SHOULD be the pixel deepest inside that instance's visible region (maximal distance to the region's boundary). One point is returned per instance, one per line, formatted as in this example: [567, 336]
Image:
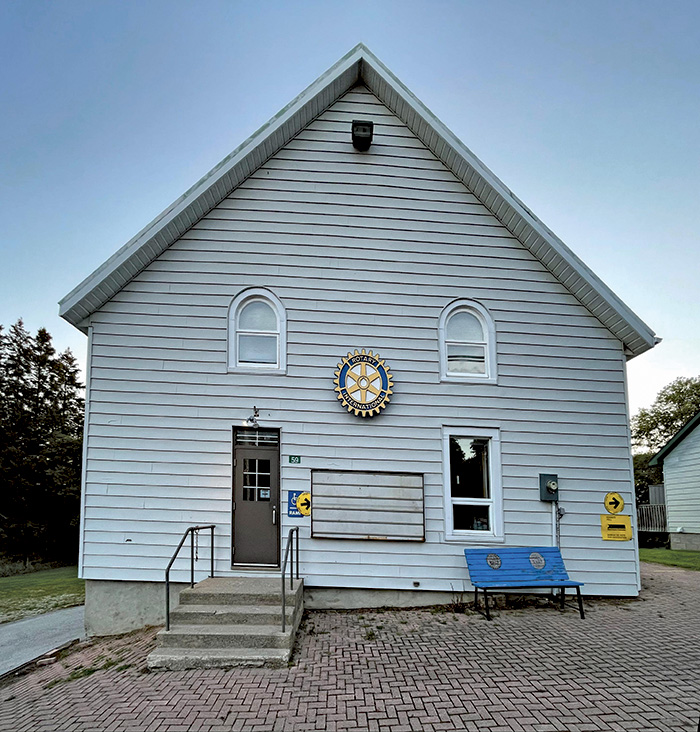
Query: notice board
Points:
[367, 505]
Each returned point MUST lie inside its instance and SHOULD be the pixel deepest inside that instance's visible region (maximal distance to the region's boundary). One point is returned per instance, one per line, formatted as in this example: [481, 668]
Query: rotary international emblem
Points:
[363, 383]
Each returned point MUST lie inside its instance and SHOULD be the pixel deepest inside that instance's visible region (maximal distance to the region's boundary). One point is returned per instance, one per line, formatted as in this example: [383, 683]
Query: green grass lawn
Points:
[39, 592]
[674, 558]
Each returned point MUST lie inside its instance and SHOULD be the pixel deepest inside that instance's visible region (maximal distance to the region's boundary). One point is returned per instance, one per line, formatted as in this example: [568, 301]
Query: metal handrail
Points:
[191, 530]
[291, 570]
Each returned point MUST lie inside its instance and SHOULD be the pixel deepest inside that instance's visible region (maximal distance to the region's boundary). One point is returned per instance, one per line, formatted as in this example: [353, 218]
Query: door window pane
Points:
[256, 479]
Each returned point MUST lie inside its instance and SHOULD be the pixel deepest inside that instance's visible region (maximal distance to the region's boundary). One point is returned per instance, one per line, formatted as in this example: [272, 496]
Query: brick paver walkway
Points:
[631, 665]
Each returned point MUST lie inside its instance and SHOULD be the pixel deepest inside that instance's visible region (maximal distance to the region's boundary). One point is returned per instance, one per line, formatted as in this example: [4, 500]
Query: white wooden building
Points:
[680, 458]
[506, 357]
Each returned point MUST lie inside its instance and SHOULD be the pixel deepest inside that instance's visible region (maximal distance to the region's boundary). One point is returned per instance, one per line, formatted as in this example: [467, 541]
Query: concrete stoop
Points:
[230, 621]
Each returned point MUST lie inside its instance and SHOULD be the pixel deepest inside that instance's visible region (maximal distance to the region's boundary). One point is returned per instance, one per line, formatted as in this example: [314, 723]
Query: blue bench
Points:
[509, 568]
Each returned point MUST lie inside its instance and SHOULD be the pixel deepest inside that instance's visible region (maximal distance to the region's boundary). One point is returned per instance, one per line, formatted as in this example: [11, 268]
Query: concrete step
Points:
[178, 659]
[239, 591]
[225, 636]
[230, 621]
[230, 614]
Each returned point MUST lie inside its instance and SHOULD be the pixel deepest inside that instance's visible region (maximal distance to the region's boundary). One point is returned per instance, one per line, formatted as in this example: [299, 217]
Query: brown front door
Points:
[256, 497]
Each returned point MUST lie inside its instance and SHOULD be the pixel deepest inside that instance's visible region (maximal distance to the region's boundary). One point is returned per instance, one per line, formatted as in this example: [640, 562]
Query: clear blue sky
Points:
[589, 111]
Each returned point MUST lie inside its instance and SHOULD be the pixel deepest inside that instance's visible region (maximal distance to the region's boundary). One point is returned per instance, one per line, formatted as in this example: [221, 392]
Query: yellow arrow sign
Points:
[613, 503]
[304, 503]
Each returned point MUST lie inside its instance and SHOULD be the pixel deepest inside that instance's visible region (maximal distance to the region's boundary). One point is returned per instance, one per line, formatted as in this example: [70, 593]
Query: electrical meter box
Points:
[549, 487]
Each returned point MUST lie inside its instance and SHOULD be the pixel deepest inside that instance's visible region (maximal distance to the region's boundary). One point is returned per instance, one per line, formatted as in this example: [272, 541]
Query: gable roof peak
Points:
[358, 65]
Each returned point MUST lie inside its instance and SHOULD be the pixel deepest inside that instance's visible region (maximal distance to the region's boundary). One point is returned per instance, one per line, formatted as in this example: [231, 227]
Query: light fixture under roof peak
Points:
[362, 133]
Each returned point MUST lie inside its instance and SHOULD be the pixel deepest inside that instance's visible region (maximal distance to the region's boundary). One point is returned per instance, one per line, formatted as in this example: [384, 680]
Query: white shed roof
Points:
[358, 66]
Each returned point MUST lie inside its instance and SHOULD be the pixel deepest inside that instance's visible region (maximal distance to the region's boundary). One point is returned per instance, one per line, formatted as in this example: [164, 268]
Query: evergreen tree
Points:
[41, 418]
[15, 442]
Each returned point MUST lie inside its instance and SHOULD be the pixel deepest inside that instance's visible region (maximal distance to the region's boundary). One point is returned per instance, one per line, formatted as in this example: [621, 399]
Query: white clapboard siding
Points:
[316, 294]
[482, 412]
[682, 484]
[315, 333]
[364, 251]
[138, 382]
[130, 456]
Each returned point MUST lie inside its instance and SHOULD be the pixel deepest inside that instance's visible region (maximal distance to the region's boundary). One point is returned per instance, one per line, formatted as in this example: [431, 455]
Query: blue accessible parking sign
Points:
[292, 509]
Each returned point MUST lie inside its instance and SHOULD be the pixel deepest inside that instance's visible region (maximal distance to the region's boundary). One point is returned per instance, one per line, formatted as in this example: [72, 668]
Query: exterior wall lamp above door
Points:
[252, 421]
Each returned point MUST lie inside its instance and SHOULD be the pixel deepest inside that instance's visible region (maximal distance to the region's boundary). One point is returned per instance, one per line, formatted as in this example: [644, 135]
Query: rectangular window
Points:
[257, 349]
[466, 359]
[472, 484]
[258, 438]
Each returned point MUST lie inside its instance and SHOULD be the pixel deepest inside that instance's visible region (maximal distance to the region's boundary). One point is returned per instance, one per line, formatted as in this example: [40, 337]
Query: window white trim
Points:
[495, 502]
[239, 302]
[486, 321]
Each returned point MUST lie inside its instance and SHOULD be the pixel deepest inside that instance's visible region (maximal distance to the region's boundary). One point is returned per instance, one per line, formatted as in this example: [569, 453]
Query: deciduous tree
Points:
[675, 404]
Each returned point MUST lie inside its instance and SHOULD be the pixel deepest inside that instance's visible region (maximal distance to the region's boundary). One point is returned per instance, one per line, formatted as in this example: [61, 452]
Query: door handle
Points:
[274, 515]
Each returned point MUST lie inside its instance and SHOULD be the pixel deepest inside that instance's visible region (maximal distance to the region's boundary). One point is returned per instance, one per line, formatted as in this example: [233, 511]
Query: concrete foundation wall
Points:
[685, 541]
[119, 606]
[339, 598]
[114, 607]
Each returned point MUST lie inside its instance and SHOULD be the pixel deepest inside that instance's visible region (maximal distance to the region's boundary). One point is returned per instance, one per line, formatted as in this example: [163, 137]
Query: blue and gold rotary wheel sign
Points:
[363, 383]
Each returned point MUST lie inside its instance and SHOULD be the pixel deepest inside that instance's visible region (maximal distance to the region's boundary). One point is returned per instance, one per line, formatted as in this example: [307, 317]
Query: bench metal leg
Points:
[486, 603]
[580, 603]
[562, 598]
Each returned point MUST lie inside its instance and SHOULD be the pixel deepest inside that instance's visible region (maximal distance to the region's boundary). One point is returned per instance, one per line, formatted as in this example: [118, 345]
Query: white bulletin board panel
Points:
[367, 505]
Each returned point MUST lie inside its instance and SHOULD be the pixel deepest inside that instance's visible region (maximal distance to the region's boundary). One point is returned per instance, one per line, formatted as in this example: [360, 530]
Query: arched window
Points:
[467, 342]
[257, 332]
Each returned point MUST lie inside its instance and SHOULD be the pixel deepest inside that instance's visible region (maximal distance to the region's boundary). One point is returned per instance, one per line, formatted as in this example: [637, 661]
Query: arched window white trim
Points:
[257, 332]
[467, 343]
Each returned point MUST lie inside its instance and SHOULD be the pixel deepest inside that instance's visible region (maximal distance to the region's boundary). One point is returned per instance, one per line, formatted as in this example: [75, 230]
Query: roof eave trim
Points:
[589, 289]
